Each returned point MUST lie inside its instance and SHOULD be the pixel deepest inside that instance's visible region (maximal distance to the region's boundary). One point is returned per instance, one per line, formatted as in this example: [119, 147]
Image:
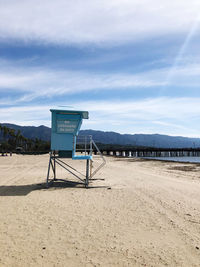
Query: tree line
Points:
[12, 140]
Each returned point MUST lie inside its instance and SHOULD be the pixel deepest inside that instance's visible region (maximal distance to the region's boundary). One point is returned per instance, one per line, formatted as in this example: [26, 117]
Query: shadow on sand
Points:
[23, 190]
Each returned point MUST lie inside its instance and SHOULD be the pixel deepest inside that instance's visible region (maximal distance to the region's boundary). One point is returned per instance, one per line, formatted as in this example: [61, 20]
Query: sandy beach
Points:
[145, 213]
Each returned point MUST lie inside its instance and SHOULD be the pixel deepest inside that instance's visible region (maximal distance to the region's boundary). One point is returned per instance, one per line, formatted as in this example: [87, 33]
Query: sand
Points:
[149, 217]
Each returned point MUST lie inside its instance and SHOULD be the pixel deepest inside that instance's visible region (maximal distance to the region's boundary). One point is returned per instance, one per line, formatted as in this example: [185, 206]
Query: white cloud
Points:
[36, 82]
[33, 82]
[60, 82]
[148, 109]
[94, 21]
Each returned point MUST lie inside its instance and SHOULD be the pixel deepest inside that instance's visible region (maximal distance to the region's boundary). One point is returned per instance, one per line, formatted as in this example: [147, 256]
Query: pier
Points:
[152, 152]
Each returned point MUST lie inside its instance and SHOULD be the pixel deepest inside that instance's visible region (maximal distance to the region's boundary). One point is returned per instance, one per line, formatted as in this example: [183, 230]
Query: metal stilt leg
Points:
[47, 182]
[54, 167]
[91, 168]
[87, 173]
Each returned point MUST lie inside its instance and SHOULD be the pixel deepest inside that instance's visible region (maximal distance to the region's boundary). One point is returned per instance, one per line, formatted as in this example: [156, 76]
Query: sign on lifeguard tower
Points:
[65, 127]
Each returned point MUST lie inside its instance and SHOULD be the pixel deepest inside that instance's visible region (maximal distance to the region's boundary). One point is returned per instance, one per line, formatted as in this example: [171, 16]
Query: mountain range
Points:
[150, 140]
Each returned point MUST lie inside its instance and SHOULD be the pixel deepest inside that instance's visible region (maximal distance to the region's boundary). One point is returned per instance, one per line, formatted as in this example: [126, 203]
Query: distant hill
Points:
[151, 140]
[42, 132]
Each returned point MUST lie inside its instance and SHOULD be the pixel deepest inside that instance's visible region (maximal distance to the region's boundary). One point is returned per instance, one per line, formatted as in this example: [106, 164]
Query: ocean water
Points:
[178, 159]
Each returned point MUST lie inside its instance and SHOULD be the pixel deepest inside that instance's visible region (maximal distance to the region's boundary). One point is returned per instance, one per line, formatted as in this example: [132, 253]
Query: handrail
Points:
[88, 144]
[85, 142]
[102, 157]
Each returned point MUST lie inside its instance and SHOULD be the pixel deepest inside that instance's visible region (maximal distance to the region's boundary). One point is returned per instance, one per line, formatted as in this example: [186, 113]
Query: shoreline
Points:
[157, 159]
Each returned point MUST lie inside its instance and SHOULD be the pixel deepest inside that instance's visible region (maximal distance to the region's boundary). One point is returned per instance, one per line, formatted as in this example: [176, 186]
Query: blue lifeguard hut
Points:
[65, 127]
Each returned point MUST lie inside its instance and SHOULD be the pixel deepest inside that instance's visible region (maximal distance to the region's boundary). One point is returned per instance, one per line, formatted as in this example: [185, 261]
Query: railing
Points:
[86, 145]
[102, 157]
[83, 144]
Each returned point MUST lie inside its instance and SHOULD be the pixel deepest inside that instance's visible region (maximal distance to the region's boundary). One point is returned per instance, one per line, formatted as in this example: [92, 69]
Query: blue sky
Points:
[133, 64]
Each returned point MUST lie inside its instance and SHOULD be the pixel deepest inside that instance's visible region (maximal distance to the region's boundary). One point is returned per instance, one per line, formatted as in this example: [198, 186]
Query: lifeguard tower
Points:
[65, 127]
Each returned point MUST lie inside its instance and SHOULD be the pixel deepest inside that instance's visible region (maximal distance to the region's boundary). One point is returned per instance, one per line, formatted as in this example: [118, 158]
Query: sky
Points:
[133, 64]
